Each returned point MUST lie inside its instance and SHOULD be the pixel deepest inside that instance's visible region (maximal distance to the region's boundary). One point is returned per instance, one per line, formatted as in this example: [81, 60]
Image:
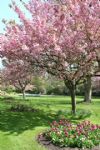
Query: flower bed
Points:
[67, 134]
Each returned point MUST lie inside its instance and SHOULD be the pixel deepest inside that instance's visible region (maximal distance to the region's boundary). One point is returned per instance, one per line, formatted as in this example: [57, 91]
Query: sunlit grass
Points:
[19, 130]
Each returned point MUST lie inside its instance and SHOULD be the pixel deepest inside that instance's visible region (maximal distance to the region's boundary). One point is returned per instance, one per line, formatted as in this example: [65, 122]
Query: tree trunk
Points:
[23, 94]
[88, 90]
[72, 88]
[73, 100]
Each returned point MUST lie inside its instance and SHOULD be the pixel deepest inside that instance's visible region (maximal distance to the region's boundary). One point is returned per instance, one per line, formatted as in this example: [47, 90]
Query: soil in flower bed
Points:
[43, 141]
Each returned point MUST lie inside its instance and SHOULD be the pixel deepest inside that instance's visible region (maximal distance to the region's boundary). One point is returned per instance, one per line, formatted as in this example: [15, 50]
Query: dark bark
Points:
[73, 100]
[88, 90]
[72, 88]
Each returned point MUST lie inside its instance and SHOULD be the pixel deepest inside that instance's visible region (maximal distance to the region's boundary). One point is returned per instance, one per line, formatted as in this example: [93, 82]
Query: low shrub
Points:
[22, 108]
[67, 134]
[80, 114]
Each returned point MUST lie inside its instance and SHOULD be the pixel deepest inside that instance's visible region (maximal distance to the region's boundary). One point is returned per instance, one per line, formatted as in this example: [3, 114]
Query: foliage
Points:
[22, 108]
[55, 86]
[81, 135]
[39, 85]
[65, 36]
[60, 38]
[18, 74]
[8, 88]
[81, 114]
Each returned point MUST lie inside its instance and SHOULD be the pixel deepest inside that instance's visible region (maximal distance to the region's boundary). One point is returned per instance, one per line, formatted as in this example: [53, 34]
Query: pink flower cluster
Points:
[81, 135]
[72, 130]
[85, 127]
[61, 122]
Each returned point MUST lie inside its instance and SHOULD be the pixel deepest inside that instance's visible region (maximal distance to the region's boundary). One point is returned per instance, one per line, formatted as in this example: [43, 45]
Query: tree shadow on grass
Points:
[15, 122]
[18, 122]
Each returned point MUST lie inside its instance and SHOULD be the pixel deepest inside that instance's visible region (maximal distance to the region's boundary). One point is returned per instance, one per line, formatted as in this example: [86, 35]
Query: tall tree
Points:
[88, 89]
[61, 38]
[88, 81]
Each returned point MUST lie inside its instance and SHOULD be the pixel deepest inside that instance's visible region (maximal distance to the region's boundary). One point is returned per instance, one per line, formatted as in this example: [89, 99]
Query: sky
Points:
[7, 13]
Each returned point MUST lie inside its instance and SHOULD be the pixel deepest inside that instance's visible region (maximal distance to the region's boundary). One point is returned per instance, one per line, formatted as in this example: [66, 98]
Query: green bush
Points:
[9, 89]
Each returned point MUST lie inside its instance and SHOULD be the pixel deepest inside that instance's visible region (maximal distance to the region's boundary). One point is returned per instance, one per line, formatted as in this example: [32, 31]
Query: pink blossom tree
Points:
[62, 38]
[17, 74]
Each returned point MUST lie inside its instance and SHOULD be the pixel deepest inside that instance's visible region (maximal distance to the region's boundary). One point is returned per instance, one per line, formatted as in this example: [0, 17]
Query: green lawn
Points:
[18, 131]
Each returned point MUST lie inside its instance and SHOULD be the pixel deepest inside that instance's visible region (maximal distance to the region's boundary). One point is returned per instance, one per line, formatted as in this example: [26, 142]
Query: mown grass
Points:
[19, 130]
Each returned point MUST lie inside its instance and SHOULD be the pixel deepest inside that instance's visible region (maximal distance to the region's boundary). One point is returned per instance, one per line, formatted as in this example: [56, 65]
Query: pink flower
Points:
[93, 127]
[66, 133]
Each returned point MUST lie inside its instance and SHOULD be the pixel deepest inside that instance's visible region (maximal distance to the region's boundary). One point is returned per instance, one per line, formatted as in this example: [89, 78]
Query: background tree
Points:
[88, 81]
[39, 83]
[96, 85]
[88, 89]
[17, 74]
